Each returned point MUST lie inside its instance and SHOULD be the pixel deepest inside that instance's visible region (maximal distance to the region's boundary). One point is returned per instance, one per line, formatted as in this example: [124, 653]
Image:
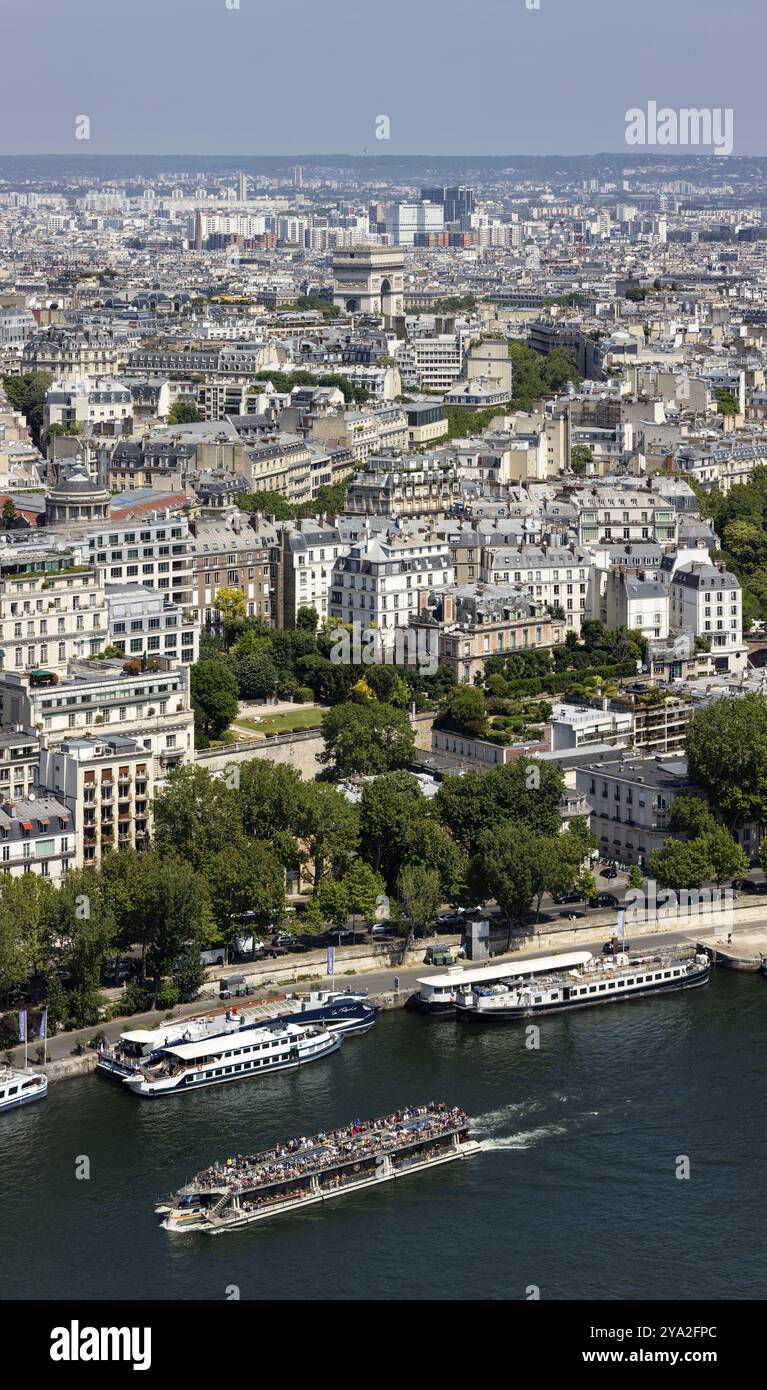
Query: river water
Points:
[575, 1191]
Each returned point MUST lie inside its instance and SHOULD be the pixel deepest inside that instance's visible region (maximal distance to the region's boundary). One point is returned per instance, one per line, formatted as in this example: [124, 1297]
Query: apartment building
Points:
[155, 551]
[430, 364]
[66, 352]
[19, 764]
[631, 801]
[37, 836]
[474, 622]
[107, 786]
[609, 517]
[230, 553]
[404, 486]
[52, 608]
[380, 583]
[144, 623]
[559, 577]
[150, 705]
[86, 405]
[707, 601]
[302, 567]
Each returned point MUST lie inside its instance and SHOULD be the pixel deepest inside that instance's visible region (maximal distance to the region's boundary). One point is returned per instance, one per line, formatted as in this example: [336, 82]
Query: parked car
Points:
[119, 971]
[604, 900]
[615, 945]
[609, 872]
[569, 898]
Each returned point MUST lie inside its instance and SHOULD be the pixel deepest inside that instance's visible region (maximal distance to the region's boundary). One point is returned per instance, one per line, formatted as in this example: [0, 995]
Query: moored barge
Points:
[304, 1171]
[597, 981]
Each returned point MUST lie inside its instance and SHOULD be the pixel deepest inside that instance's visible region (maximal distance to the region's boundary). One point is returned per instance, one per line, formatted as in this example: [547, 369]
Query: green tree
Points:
[173, 913]
[691, 816]
[215, 698]
[329, 828]
[243, 878]
[580, 458]
[464, 711]
[256, 675]
[418, 898]
[182, 413]
[83, 928]
[727, 860]
[366, 739]
[726, 746]
[307, 619]
[681, 864]
[231, 604]
[390, 810]
[195, 816]
[635, 878]
[27, 394]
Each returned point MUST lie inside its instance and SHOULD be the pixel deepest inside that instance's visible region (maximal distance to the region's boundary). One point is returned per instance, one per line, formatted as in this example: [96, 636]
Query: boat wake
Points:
[496, 1120]
[525, 1139]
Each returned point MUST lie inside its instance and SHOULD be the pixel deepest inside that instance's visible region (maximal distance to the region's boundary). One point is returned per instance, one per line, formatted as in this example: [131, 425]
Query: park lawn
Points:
[282, 723]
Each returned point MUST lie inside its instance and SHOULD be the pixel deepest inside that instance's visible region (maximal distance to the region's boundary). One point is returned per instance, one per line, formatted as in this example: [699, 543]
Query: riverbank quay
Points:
[735, 951]
[381, 970]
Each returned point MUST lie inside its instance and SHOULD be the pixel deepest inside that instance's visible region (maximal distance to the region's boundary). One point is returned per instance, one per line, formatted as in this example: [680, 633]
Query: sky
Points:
[313, 76]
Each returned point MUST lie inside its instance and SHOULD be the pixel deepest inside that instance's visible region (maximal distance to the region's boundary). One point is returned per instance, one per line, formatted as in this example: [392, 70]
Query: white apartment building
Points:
[302, 567]
[382, 583]
[156, 551]
[144, 622]
[638, 603]
[610, 517]
[52, 608]
[87, 402]
[19, 764]
[557, 576]
[431, 364]
[707, 601]
[151, 706]
[108, 786]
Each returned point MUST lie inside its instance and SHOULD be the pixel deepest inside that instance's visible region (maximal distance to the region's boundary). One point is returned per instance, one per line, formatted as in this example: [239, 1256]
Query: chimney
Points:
[448, 608]
[423, 600]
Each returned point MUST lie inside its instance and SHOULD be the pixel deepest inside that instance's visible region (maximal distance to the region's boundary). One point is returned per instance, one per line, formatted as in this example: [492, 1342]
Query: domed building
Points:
[76, 498]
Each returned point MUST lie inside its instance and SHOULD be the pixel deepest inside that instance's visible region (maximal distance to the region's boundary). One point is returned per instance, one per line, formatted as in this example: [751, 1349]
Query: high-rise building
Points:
[242, 188]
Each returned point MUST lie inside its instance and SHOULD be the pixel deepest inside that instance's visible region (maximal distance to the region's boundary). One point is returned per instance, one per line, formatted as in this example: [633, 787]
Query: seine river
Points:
[575, 1192]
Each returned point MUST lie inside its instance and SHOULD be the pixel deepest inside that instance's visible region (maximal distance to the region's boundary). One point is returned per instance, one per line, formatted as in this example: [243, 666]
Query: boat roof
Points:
[188, 1051]
[567, 961]
[142, 1035]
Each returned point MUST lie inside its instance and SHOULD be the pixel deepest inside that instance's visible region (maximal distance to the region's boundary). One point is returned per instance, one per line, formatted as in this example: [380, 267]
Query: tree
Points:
[727, 860]
[506, 867]
[181, 413]
[215, 698]
[172, 913]
[635, 878]
[26, 942]
[83, 929]
[363, 889]
[418, 898]
[727, 756]
[27, 394]
[307, 619]
[681, 864]
[580, 458]
[690, 816]
[464, 711]
[329, 828]
[231, 604]
[256, 676]
[366, 739]
[195, 816]
[390, 810]
[245, 878]
[586, 884]
[10, 519]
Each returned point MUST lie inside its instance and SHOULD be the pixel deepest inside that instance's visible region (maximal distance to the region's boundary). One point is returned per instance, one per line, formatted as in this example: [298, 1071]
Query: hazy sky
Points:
[311, 76]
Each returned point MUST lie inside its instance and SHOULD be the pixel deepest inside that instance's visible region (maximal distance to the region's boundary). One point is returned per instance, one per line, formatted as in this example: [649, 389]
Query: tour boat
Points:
[233, 1056]
[597, 981]
[21, 1087]
[301, 1172]
[348, 1011]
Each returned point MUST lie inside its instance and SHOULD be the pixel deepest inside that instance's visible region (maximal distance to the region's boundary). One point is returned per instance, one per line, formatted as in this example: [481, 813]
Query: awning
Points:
[26, 825]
